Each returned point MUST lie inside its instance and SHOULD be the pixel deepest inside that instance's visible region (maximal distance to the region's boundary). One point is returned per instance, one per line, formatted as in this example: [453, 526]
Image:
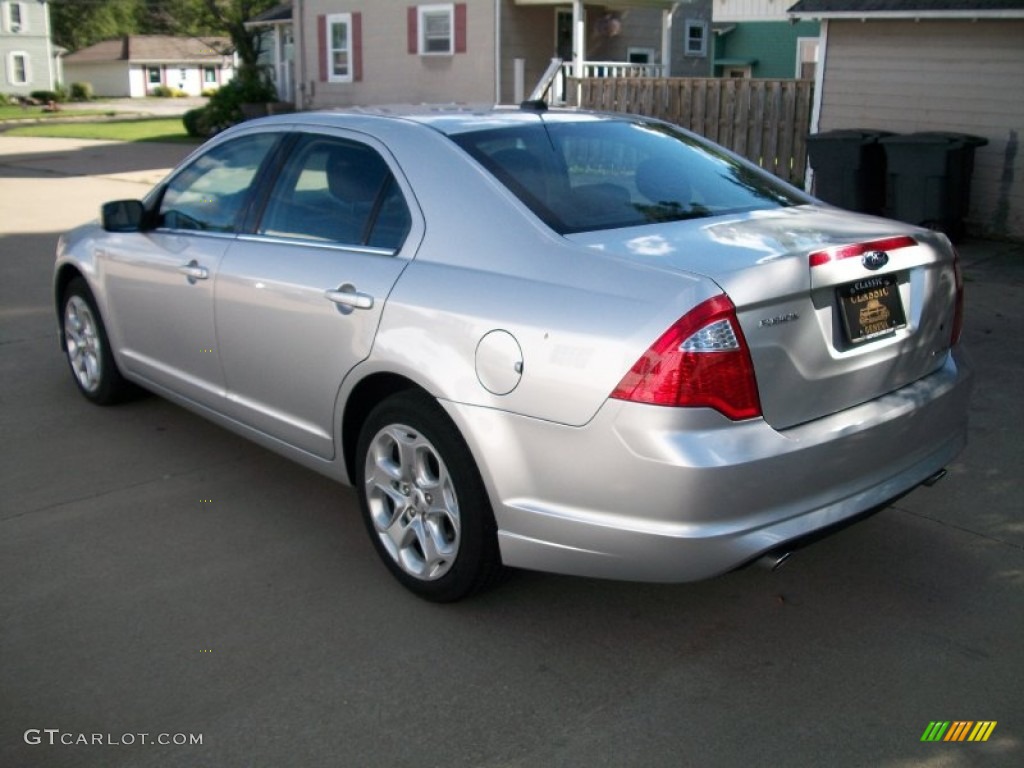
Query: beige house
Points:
[360, 52]
[135, 65]
[931, 65]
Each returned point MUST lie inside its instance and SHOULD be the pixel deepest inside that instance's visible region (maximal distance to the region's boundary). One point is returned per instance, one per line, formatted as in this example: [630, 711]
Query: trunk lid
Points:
[829, 324]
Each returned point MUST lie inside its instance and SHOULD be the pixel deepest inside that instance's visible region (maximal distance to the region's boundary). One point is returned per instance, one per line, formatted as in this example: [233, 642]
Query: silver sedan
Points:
[579, 343]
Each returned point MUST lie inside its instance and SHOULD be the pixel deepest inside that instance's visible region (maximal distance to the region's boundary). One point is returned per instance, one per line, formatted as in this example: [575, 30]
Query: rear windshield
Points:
[583, 176]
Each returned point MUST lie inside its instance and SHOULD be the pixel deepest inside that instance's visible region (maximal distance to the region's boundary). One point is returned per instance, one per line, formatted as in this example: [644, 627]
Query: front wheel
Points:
[87, 349]
[423, 501]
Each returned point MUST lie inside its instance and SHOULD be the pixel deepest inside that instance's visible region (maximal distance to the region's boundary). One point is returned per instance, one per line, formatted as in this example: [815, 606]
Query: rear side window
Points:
[209, 194]
[338, 191]
[582, 176]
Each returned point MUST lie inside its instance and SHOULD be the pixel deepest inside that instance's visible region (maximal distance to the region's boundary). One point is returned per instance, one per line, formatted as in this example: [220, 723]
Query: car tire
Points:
[423, 502]
[87, 349]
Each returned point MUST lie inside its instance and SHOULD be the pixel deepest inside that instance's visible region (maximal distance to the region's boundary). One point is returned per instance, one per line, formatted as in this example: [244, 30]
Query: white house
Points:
[135, 65]
[30, 62]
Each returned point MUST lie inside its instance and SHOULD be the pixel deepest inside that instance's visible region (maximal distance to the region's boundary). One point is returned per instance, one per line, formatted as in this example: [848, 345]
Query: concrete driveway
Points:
[163, 580]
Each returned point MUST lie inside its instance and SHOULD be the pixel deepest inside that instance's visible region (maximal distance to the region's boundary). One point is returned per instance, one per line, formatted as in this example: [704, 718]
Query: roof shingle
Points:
[931, 7]
[154, 48]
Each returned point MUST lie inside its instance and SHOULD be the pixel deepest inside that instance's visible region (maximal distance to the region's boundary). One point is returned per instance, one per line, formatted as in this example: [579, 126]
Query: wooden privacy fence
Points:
[766, 121]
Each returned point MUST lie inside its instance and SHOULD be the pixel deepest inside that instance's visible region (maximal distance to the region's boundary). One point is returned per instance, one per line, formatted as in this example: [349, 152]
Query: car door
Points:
[298, 300]
[160, 282]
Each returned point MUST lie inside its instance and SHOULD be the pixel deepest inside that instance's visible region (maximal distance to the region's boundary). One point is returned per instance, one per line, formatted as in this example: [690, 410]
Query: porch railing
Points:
[554, 85]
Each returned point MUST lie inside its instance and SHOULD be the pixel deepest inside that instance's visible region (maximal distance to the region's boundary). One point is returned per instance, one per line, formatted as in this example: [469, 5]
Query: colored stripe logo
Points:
[959, 730]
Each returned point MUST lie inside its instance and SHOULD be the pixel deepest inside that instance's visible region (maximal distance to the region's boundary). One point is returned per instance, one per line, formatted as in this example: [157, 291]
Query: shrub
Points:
[194, 122]
[208, 92]
[162, 91]
[81, 91]
[5, 100]
[225, 106]
[45, 96]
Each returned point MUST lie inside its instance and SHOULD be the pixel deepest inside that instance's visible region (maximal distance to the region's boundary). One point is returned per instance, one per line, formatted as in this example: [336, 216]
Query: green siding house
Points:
[756, 38]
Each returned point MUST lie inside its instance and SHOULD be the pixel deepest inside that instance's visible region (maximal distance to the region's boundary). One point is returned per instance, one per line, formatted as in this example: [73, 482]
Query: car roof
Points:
[450, 119]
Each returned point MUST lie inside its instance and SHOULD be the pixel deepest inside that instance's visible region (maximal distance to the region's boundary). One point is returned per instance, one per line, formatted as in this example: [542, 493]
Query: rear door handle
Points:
[348, 296]
[193, 271]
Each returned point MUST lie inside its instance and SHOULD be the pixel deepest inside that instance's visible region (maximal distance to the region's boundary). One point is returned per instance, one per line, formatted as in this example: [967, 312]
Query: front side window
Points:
[583, 176]
[339, 36]
[210, 193]
[696, 38]
[18, 71]
[436, 23]
[337, 191]
[153, 75]
[209, 75]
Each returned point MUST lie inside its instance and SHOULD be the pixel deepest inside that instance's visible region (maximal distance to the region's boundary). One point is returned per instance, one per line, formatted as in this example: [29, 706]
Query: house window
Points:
[339, 53]
[18, 70]
[153, 75]
[696, 37]
[437, 30]
[209, 75]
[435, 24]
[17, 19]
[640, 55]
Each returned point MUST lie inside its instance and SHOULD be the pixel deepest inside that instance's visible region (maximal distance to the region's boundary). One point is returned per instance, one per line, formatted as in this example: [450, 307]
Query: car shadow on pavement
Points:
[57, 157]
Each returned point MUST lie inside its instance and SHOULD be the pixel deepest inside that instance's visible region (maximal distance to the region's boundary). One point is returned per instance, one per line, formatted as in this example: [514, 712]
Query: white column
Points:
[666, 40]
[579, 39]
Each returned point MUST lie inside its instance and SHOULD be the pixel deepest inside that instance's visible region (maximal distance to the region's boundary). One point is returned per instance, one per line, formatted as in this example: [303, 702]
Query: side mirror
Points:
[122, 215]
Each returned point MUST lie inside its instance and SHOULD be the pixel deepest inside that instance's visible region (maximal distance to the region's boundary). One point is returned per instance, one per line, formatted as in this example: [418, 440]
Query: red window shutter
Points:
[412, 17]
[460, 27]
[325, 50]
[357, 46]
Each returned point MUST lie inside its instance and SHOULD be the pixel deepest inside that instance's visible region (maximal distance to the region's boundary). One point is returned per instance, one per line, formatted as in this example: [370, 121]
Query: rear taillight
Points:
[958, 306]
[838, 253]
[702, 361]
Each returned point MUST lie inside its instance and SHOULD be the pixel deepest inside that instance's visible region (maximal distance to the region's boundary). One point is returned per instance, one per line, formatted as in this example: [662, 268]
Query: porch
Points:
[642, 44]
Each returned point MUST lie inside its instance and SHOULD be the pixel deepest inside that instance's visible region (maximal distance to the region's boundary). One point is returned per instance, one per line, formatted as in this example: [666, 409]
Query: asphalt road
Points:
[160, 576]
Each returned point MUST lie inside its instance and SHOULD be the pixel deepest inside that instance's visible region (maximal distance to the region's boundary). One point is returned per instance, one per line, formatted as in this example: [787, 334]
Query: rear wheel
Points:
[423, 501]
[87, 349]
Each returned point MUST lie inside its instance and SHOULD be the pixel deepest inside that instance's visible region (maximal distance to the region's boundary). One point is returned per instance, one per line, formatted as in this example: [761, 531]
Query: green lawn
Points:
[152, 129]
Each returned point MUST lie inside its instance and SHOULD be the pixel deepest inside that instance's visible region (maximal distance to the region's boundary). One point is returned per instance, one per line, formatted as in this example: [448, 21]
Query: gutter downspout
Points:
[302, 99]
[51, 62]
[497, 51]
[819, 87]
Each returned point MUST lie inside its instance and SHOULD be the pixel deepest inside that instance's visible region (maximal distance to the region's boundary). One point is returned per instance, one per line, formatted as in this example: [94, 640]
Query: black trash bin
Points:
[849, 168]
[929, 178]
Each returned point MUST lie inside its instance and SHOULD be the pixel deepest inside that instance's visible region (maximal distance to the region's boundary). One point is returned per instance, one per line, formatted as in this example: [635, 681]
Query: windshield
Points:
[583, 176]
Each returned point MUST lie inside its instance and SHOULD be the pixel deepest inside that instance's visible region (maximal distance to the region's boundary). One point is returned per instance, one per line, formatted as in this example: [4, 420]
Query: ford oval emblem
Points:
[875, 259]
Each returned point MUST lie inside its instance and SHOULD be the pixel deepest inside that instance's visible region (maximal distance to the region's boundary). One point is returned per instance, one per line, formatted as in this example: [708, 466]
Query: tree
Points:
[230, 16]
[77, 24]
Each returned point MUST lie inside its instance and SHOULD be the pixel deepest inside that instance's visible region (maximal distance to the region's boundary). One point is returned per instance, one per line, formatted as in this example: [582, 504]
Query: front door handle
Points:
[193, 271]
[348, 296]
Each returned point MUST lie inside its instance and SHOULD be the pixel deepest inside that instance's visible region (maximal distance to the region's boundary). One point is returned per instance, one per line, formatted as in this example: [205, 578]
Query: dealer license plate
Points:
[871, 308]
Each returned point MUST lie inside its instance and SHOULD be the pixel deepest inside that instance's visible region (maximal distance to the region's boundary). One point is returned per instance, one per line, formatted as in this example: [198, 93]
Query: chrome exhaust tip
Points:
[929, 482]
[773, 561]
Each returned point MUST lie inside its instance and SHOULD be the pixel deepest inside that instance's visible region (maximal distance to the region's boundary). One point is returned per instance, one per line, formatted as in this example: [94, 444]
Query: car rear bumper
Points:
[664, 494]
